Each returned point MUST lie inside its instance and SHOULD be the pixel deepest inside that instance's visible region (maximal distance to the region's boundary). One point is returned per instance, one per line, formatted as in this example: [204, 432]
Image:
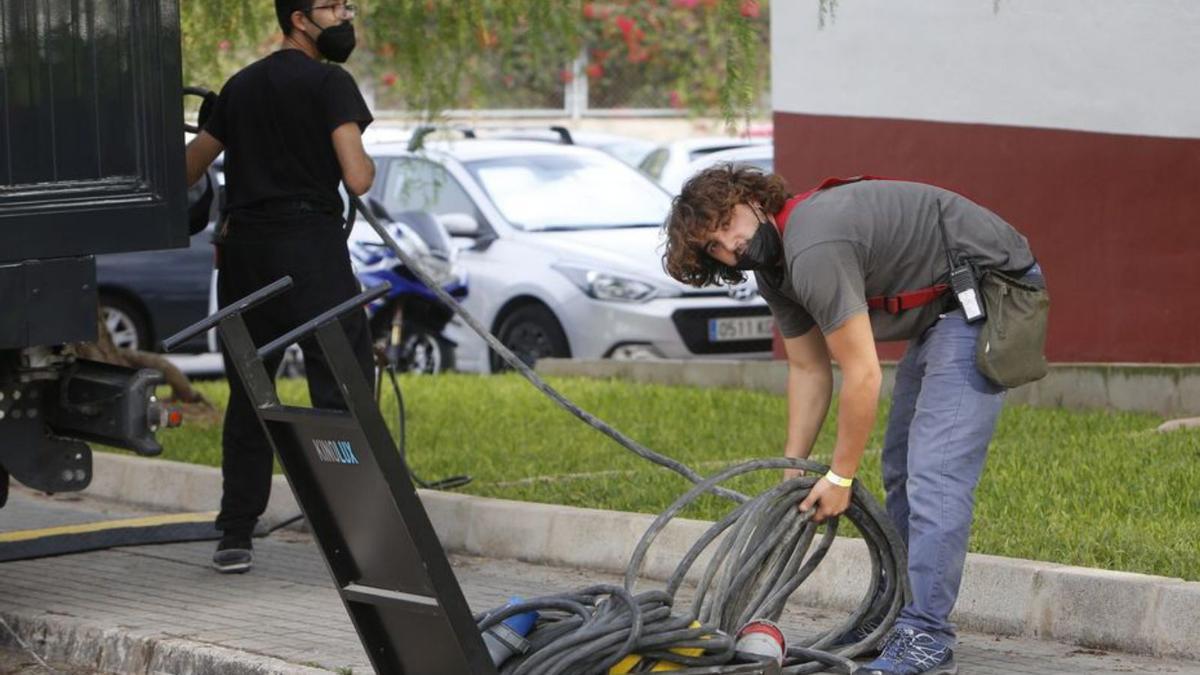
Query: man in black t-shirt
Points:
[290, 126]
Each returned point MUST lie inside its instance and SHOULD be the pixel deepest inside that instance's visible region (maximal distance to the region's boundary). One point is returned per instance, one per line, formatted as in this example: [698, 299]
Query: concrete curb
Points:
[117, 651]
[174, 486]
[1126, 612]
[1168, 390]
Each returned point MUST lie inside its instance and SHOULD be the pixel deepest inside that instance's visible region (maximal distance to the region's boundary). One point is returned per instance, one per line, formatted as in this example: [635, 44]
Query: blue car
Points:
[149, 295]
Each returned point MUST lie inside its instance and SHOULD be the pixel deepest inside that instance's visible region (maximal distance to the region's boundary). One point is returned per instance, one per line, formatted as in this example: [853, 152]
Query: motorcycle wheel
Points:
[426, 353]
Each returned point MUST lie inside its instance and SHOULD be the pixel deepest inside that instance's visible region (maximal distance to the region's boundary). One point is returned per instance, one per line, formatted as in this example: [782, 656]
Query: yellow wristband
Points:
[838, 480]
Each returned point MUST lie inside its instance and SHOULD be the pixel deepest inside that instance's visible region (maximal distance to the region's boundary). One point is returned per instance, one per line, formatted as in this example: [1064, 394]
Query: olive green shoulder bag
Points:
[1010, 350]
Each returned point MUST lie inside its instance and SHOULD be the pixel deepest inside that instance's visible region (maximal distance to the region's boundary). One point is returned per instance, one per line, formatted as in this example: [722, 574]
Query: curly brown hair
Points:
[706, 204]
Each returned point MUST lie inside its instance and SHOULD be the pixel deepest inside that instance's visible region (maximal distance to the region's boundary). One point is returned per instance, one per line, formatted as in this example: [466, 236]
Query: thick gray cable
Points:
[765, 556]
[512, 360]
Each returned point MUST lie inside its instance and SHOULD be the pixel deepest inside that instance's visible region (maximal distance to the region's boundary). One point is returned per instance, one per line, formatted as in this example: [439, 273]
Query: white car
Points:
[670, 164]
[562, 249]
[625, 148]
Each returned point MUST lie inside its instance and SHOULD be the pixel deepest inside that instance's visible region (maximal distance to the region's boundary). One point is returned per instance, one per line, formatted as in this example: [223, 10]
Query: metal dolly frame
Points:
[357, 494]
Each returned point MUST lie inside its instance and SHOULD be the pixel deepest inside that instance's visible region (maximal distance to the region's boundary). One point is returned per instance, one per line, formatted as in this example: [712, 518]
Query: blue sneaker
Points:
[911, 652]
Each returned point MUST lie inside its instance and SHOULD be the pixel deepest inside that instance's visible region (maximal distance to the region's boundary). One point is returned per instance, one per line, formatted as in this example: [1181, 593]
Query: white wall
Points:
[1120, 66]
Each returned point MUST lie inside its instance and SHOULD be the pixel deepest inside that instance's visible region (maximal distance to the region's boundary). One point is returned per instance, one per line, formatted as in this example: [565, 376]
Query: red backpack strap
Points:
[894, 304]
[781, 218]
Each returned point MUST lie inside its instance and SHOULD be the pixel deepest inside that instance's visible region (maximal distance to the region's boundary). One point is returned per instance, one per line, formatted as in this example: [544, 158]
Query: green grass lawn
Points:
[1096, 489]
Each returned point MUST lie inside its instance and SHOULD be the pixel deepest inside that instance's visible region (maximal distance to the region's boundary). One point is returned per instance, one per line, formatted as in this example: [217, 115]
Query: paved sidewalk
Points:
[164, 605]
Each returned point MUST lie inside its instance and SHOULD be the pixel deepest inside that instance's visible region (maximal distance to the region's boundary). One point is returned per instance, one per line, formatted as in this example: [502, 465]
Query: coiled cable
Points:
[768, 550]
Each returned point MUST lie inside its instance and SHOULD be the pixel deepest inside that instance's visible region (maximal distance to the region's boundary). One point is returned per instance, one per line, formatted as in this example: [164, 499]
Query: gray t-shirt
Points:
[879, 237]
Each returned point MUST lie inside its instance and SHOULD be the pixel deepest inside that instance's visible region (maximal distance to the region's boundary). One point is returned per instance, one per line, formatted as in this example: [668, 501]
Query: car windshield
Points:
[568, 192]
[630, 152]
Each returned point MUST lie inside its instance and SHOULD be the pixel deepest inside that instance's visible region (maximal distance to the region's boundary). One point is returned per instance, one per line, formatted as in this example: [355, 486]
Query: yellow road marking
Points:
[148, 521]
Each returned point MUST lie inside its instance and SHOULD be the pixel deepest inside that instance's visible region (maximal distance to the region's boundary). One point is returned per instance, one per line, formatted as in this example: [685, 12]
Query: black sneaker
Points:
[235, 555]
[912, 652]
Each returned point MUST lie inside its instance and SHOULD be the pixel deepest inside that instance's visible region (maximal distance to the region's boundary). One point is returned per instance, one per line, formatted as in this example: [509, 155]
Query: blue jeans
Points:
[944, 413]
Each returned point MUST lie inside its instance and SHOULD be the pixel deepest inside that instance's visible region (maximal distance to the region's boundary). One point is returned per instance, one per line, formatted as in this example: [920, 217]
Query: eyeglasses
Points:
[344, 10]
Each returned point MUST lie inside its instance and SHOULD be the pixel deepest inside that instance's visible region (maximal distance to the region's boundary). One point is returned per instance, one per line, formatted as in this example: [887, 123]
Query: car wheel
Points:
[531, 332]
[125, 323]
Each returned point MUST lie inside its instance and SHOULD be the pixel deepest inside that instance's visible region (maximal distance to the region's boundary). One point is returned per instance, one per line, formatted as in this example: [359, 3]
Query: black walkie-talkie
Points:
[963, 281]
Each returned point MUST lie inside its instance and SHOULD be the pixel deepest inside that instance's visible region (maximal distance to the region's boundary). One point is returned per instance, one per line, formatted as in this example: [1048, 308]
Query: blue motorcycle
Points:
[408, 323]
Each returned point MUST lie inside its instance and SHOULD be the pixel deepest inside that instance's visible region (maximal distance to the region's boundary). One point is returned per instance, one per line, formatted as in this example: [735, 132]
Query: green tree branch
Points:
[427, 56]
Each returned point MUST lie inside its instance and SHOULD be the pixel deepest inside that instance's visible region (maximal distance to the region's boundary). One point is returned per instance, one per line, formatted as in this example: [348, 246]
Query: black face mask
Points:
[764, 250]
[336, 42]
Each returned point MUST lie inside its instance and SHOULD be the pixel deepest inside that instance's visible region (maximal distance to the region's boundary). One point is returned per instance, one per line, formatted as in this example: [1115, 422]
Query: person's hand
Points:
[827, 499]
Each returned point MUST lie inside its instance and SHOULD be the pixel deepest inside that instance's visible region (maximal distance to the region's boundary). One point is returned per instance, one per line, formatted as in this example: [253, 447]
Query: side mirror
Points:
[460, 224]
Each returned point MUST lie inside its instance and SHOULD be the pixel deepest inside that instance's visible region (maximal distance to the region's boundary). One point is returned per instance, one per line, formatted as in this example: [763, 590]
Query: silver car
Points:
[562, 247]
[761, 157]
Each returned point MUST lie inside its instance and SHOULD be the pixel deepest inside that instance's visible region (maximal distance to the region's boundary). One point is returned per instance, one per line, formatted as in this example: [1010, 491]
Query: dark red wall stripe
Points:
[1114, 219]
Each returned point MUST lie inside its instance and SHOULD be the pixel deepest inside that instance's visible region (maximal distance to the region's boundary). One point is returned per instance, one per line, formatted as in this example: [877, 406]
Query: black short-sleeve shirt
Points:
[275, 118]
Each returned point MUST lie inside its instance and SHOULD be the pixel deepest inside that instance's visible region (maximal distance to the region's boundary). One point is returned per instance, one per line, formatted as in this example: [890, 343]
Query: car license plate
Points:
[740, 328]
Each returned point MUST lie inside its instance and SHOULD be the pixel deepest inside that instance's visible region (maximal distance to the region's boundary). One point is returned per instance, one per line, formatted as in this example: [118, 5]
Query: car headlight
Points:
[609, 286]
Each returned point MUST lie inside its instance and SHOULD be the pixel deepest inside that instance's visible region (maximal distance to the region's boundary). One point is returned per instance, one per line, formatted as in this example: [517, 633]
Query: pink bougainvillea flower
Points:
[388, 79]
[224, 45]
[750, 9]
[686, 4]
[589, 10]
[566, 76]
[626, 24]
[594, 71]
[675, 99]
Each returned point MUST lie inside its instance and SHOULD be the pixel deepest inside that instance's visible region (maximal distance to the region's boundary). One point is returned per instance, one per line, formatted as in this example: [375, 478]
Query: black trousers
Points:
[313, 252]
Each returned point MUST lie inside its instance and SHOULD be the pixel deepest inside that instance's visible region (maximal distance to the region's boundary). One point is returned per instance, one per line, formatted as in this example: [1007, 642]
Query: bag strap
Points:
[893, 304]
[781, 218]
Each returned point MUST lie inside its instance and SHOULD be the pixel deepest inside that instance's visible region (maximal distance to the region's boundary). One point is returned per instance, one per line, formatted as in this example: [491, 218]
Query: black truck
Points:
[91, 162]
